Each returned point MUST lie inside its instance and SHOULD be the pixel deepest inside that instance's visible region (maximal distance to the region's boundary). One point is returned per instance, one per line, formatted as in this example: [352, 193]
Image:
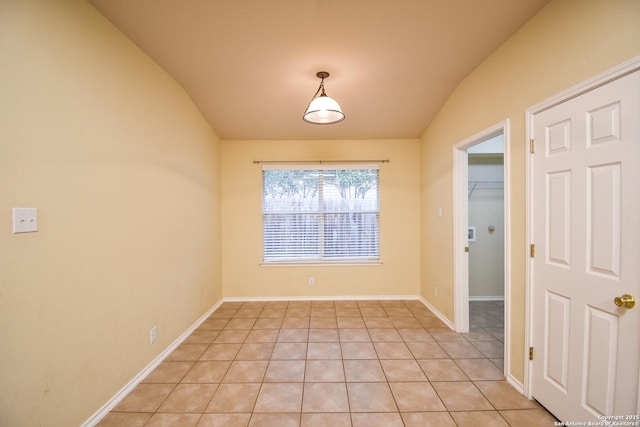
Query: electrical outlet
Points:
[435, 291]
[25, 220]
[153, 334]
[311, 281]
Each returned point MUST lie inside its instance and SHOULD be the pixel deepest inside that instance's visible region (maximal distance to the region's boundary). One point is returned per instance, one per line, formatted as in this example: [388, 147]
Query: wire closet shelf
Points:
[485, 185]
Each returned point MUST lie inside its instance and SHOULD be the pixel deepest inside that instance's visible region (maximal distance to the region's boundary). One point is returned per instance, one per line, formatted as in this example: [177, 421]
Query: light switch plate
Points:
[25, 220]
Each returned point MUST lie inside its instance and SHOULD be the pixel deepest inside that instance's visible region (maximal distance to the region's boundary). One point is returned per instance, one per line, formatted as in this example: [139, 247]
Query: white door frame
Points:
[602, 79]
[460, 224]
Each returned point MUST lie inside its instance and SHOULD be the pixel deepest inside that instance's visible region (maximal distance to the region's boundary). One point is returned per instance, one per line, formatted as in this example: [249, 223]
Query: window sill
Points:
[346, 263]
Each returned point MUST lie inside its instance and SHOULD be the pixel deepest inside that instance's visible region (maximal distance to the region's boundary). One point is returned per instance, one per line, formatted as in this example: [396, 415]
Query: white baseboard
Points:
[437, 313]
[515, 384]
[325, 298]
[487, 298]
[107, 407]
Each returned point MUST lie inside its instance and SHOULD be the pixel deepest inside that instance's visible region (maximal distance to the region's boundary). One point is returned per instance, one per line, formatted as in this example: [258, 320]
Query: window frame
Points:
[321, 259]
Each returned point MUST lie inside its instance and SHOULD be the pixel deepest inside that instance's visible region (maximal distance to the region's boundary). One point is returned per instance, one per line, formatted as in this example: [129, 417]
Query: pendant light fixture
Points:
[323, 110]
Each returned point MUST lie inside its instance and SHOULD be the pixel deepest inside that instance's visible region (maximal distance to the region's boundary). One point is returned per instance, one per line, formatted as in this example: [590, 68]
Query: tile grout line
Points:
[255, 403]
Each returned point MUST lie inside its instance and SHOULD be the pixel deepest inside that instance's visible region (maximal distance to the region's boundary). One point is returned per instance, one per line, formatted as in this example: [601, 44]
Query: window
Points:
[320, 213]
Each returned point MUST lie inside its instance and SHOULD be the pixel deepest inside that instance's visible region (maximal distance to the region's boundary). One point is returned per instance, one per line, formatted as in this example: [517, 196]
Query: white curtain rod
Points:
[280, 162]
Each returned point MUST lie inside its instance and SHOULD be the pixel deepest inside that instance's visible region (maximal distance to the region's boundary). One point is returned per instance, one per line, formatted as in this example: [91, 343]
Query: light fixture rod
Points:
[321, 75]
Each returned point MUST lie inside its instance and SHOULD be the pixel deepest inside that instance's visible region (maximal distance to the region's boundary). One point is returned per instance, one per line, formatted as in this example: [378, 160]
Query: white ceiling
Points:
[250, 65]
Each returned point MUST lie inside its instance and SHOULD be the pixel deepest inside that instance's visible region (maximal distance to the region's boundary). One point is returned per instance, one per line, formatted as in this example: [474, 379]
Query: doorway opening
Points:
[486, 245]
[481, 246]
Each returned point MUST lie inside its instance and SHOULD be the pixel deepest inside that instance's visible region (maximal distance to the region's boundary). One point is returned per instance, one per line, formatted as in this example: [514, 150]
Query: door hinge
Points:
[532, 146]
[532, 250]
[530, 353]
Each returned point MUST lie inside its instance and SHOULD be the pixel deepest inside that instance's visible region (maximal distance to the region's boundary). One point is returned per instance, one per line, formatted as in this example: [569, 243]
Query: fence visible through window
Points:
[320, 213]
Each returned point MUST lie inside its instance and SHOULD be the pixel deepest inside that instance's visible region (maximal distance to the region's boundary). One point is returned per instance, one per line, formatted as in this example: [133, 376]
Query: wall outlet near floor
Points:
[25, 220]
[153, 335]
[435, 291]
[311, 281]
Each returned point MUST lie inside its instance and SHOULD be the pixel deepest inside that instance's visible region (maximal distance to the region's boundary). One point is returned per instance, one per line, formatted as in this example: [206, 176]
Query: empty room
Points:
[277, 213]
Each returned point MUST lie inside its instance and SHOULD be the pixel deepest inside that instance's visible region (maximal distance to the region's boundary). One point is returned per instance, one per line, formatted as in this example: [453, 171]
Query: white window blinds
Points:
[317, 213]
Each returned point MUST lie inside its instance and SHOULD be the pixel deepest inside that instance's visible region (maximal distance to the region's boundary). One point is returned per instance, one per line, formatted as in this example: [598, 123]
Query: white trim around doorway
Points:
[460, 235]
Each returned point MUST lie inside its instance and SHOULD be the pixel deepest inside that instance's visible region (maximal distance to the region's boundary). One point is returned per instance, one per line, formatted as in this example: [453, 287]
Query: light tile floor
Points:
[332, 363]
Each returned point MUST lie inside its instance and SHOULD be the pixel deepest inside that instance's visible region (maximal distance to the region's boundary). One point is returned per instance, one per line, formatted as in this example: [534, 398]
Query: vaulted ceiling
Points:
[250, 65]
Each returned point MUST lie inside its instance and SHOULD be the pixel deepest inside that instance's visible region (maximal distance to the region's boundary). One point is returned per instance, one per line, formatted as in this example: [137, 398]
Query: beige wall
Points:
[124, 172]
[566, 43]
[399, 273]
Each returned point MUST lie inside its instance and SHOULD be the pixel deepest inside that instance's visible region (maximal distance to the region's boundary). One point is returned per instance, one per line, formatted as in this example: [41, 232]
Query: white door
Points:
[586, 231]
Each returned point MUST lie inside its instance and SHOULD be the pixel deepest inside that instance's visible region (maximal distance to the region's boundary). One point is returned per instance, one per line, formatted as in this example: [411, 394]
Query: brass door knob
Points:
[626, 300]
